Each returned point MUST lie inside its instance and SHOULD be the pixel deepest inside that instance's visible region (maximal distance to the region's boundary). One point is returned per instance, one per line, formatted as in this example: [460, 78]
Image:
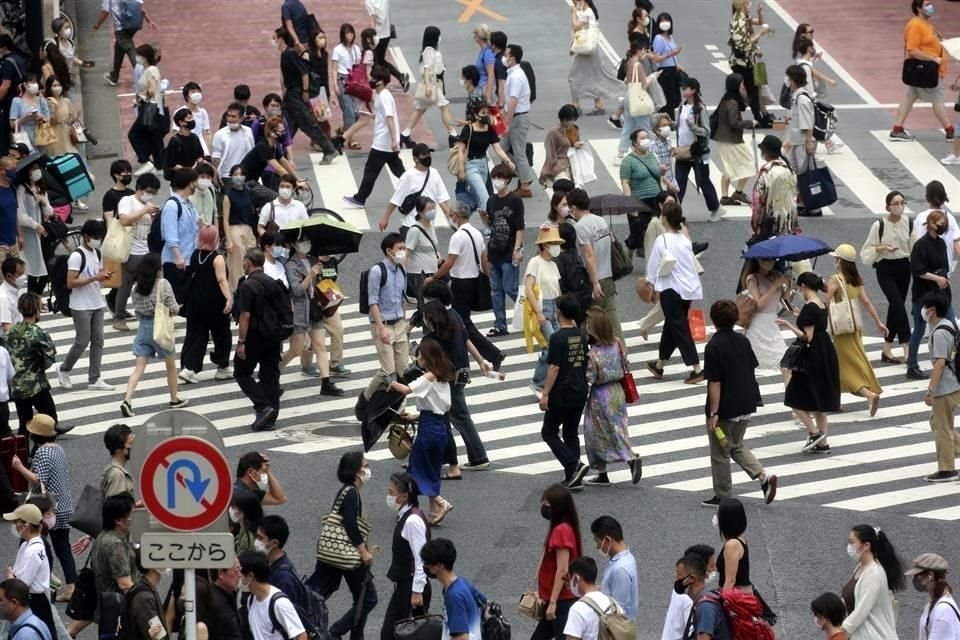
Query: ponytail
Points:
[883, 552]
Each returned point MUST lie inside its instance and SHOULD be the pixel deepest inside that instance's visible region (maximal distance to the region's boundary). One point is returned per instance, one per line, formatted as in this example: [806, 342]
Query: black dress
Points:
[817, 387]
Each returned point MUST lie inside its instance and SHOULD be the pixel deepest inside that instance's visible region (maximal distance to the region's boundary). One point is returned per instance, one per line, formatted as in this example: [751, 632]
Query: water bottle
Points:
[721, 436]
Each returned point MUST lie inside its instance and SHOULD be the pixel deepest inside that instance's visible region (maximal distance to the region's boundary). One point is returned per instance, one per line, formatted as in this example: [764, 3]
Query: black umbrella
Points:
[327, 236]
[612, 204]
[25, 162]
[377, 413]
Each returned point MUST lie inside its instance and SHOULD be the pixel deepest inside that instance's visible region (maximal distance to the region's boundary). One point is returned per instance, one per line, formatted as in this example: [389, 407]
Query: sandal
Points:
[597, 111]
[884, 358]
[445, 475]
[353, 145]
[495, 332]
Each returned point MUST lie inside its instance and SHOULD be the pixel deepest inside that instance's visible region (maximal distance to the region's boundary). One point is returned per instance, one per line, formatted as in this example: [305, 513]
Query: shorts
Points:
[934, 95]
[423, 105]
[143, 344]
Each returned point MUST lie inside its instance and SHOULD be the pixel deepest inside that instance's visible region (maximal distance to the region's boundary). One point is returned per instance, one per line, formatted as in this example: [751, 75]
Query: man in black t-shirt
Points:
[565, 392]
[184, 149]
[122, 173]
[504, 217]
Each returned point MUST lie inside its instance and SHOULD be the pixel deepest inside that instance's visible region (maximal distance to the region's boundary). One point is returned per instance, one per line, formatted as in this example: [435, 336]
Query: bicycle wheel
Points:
[333, 215]
[70, 243]
[305, 195]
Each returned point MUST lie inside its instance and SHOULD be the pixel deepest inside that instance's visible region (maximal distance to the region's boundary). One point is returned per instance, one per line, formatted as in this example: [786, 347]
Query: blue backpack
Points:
[130, 14]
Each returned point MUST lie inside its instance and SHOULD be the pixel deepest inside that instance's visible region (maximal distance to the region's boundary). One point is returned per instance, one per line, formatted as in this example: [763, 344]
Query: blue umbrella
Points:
[791, 248]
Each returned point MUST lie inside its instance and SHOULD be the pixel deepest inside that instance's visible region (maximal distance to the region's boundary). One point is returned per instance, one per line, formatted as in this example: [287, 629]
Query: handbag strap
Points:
[476, 255]
[429, 239]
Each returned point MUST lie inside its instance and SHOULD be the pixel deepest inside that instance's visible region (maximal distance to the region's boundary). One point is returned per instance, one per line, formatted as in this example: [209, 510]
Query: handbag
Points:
[638, 99]
[844, 315]
[453, 159]
[922, 74]
[83, 602]
[746, 307]
[645, 290]
[531, 606]
[357, 85]
[667, 260]
[116, 244]
[400, 440]
[420, 95]
[496, 120]
[584, 41]
[87, 515]
[697, 324]
[419, 628]
[816, 186]
[333, 546]
[162, 321]
[78, 134]
[795, 357]
[630, 393]
[44, 134]
[620, 263]
[483, 298]
[20, 136]
[759, 73]
[148, 115]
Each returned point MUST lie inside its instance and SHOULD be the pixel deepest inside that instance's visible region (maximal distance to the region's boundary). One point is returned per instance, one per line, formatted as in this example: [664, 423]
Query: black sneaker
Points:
[769, 488]
[615, 123]
[407, 142]
[916, 373]
[578, 475]
[328, 388]
[574, 484]
[813, 441]
[265, 419]
[405, 82]
[699, 248]
[636, 469]
[942, 476]
[599, 480]
[711, 502]
[695, 377]
[821, 448]
[656, 371]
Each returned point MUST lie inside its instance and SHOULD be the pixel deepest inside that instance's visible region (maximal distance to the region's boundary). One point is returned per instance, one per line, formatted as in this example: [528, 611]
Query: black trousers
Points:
[37, 284]
[42, 403]
[60, 539]
[676, 329]
[380, 57]
[40, 605]
[399, 606]
[123, 45]
[464, 293]
[265, 392]
[326, 580]
[373, 167]
[200, 328]
[893, 276]
[560, 431]
[148, 143]
[300, 117]
[670, 83]
[753, 91]
[177, 279]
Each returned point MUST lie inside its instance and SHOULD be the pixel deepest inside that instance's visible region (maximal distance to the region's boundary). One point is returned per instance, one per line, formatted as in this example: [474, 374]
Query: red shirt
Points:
[561, 537]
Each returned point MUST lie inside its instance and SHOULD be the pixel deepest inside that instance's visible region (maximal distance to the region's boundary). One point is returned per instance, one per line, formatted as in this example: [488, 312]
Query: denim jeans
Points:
[547, 328]
[919, 328]
[476, 178]
[503, 282]
[631, 124]
[346, 103]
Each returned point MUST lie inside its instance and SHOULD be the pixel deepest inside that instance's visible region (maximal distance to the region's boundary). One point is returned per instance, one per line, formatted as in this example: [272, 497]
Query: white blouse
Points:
[683, 278]
[431, 396]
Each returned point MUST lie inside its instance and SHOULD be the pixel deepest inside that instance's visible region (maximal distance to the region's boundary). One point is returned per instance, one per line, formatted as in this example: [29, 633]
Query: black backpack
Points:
[273, 318]
[313, 631]
[364, 302]
[60, 302]
[155, 237]
[574, 278]
[501, 233]
[531, 79]
[128, 629]
[953, 365]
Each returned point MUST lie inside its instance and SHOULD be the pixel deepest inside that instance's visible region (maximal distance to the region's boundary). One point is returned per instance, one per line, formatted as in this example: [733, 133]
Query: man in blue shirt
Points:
[296, 20]
[179, 227]
[461, 620]
[272, 535]
[387, 323]
[14, 608]
[11, 235]
[708, 621]
[620, 577]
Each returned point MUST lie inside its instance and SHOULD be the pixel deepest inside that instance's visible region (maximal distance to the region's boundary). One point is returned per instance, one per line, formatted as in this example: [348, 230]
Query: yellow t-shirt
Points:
[920, 35]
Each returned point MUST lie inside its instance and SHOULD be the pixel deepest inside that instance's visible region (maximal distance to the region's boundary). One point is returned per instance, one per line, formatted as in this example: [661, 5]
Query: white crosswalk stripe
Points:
[871, 467]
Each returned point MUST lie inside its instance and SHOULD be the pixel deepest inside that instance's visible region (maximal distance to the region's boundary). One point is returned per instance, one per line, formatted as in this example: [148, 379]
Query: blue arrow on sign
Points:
[196, 485]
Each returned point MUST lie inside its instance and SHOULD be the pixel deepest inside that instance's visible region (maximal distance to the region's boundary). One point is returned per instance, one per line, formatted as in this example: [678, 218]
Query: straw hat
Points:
[845, 252]
[42, 425]
[549, 235]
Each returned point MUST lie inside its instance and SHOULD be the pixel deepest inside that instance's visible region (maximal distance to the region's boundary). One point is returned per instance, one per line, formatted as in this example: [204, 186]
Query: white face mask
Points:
[430, 214]
[664, 132]
[234, 515]
[896, 209]
[196, 98]
[285, 193]
[14, 531]
[498, 185]
[263, 482]
[234, 126]
[852, 551]
[56, 90]
[463, 83]
[365, 475]
[565, 211]
[925, 314]
[646, 21]
[67, 33]
[575, 587]
[274, 111]
[94, 243]
[400, 256]
[304, 247]
[147, 198]
[665, 25]
[712, 576]
[204, 183]
[643, 145]
[553, 250]
[392, 503]
[33, 88]
[714, 521]
[259, 546]
[35, 175]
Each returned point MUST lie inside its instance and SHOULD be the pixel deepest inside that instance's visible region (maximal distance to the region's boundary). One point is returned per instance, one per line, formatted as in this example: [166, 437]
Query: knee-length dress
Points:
[589, 76]
[763, 332]
[855, 370]
[605, 418]
[426, 457]
[817, 387]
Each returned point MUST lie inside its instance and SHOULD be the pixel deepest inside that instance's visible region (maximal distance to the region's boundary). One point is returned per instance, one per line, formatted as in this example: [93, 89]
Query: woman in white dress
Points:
[33, 207]
[766, 286]
[588, 75]
[430, 92]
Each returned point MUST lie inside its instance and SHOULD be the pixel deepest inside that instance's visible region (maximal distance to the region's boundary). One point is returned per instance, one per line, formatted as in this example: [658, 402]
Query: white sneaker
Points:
[950, 159]
[617, 160]
[64, 379]
[834, 148]
[100, 385]
[223, 373]
[716, 216]
[146, 167]
[189, 377]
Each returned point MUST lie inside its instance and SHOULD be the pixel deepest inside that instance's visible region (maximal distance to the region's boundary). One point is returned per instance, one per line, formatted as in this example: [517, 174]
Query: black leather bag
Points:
[148, 115]
[482, 298]
[83, 602]
[922, 74]
[795, 357]
[816, 186]
[88, 515]
[422, 628]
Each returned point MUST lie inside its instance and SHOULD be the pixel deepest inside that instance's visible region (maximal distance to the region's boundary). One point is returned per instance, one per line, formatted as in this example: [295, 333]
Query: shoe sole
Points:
[598, 484]
[656, 373]
[480, 467]
[579, 474]
[126, 411]
[942, 480]
[772, 489]
[266, 419]
[811, 444]
[696, 380]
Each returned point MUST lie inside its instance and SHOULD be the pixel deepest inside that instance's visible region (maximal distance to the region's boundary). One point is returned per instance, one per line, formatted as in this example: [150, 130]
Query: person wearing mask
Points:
[270, 157]
[678, 286]
[179, 224]
[557, 145]
[943, 389]
[241, 96]
[745, 53]
[147, 142]
[32, 352]
[284, 209]
[345, 56]
[661, 143]
[246, 512]
[322, 99]
[640, 176]
[828, 613]
[271, 537]
[693, 130]
[541, 288]
[123, 44]
[638, 60]
[928, 572]
[583, 622]
[498, 43]
[767, 287]
[887, 249]
[231, 143]
[504, 218]
[707, 618]
[222, 619]
[930, 267]
[296, 97]
[204, 198]
[192, 98]
[813, 391]
[422, 179]
[11, 76]
[856, 373]
[136, 210]
[733, 395]
[423, 256]
[363, 110]
[11, 234]
[145, 614]
[254, 348]
[619, 580]
[264, 606]
[774, 201]
[411, 589]
[385, 148]
[254, 475]
[121, 172]
[461, 600]
[239, 222]
[870, 592]
[84, 275]
[116, 478]
[12, 270]
[388, 325]
[29, 109]
[589, 76]
[594, 243]
[274, 254]
[15, 610]
[936, 199]
[470, 82]
[353, 472]
[921, 41]
[151, 291]
[431, 75]
[733, 151]
[516, 117]
[476, 137]
[665, 52]
[33, 207]
[800, 145]
[183, 150]
[31, 566]
[561, 547]
[678, 612]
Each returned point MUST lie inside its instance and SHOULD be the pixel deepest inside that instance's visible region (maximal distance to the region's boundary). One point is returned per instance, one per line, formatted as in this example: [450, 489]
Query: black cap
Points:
[420, 149]
[771, 144]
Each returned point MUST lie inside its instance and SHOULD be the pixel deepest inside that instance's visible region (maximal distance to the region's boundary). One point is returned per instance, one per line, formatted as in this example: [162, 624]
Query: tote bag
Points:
[584, 41]
[116, 244]
[639, 101]
[334, 547]
[844, 313]
[162, 321]
[816, 186]
[44, 134]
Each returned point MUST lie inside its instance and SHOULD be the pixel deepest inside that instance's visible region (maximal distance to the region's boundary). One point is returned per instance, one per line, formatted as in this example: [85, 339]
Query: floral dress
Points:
[605, 417]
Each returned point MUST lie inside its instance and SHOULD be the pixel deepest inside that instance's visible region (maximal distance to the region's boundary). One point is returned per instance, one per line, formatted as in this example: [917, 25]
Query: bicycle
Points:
[304, 193]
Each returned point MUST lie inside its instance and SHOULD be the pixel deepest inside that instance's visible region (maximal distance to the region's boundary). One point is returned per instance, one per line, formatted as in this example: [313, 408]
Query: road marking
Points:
[894, 498]
[830, 60]
[334, 181]
[948, 513]
[858, 178]
[921, 164]
[475, 6]
[401, 63]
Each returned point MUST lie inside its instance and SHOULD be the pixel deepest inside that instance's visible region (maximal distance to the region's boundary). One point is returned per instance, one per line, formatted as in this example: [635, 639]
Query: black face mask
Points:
[919, 583]
[941, 229]
[484, 119]
[426, 161]
[545, 512]
[374, 84]
[189, 125]
[126, 180]
[679, 587]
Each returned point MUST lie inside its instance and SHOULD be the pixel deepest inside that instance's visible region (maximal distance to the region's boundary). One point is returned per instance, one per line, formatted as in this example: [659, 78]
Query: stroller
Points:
[381, 412]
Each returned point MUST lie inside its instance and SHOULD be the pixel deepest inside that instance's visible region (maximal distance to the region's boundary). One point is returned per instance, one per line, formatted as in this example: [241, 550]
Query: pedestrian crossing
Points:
[875, 464]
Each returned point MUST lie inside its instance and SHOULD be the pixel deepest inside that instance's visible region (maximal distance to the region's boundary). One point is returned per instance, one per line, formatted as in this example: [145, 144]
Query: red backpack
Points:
[743, 611]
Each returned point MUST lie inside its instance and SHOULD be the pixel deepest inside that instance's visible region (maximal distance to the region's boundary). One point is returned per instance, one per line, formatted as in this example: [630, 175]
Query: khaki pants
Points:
[945, 437]
[394, 356]
[241, 236]
[609, 304]
[720, 456]
[334, 328]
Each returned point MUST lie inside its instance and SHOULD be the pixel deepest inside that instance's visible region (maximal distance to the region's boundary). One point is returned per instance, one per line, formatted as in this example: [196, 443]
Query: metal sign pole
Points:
[189, 603]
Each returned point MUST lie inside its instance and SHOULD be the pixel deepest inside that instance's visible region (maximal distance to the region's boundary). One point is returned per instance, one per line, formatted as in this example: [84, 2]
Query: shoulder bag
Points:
[419, 628]
[629, 385]
[117, 243]
[83, 602]
[667, 260]
[620, 263]
[163, 323]
[843, 313]
[409, 202]
[584, 41]
[272, 226]
[483, 298]
[453, 159]
[795, 357]
[638, 99]
[922, 74]
[356, 85]
[333, 546]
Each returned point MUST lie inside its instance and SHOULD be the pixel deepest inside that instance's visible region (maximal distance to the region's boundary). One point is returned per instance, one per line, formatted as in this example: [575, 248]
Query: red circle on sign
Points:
[159, 458]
